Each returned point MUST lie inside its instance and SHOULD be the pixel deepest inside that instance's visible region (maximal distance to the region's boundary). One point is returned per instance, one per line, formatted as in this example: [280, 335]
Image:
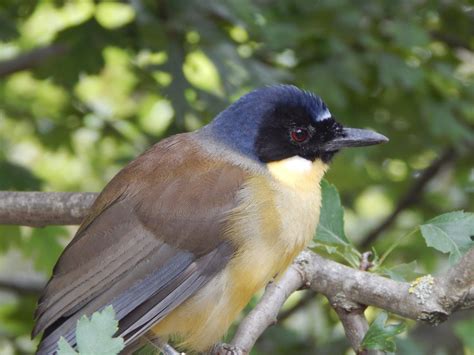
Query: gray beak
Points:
[354, 137]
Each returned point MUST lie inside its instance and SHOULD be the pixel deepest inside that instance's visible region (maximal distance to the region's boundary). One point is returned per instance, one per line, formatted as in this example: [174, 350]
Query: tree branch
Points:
[348, 288]
[446, 294]
[412, 196]
[450, 40]
[61, 208]
[22, 286]
[352, 315]
[353, 320]
[265, 313]
[428, 299]
[30, 60]
[38, 209]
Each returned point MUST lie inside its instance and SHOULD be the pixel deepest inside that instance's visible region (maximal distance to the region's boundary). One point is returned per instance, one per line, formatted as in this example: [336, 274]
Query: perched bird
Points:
[184, 235]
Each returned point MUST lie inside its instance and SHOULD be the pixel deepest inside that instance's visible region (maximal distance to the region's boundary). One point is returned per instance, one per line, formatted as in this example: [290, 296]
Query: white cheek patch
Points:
[324, 115]
[297, 164]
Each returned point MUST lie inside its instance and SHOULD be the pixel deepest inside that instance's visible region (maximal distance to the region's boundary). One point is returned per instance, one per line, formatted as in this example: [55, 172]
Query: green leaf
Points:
[464, 330]
[330, 236]
[450, 233]
[331, 221]
[75, 42]
[95, 336]
[402, 272]
[327, 248]
[64, 348]
[381, 336]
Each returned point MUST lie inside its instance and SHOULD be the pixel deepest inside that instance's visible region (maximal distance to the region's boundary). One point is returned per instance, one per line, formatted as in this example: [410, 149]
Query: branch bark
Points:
[447, 293]
[38, 209]
[354, 322]
[349, 288]
[265, 313]
[351, 314]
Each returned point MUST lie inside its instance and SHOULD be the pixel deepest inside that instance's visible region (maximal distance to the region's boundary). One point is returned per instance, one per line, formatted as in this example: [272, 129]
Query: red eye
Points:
[299, 135]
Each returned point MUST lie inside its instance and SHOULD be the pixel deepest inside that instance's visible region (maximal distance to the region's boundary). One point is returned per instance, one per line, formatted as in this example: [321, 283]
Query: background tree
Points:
[86, 86]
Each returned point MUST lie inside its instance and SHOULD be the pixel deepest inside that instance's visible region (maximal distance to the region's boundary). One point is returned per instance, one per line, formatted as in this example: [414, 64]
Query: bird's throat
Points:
[297, 172]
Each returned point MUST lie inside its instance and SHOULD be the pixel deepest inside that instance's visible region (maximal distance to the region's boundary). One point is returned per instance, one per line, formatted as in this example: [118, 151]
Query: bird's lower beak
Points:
[354, 137]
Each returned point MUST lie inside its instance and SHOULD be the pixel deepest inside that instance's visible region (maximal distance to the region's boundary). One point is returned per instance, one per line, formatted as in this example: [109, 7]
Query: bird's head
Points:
[280, 122]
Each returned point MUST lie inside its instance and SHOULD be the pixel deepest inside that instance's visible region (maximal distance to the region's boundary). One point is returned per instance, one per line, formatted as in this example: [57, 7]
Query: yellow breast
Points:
[298, 200]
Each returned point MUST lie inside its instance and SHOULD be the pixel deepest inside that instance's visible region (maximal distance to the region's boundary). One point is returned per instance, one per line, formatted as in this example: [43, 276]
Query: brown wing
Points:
[153, 238]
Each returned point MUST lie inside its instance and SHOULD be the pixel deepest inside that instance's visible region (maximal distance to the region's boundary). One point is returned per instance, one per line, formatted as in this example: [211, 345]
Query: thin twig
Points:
[22, 286]
[31, 59]
[365, 263]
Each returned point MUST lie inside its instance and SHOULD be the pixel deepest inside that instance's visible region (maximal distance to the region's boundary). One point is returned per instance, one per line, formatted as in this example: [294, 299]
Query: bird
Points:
[183, 236]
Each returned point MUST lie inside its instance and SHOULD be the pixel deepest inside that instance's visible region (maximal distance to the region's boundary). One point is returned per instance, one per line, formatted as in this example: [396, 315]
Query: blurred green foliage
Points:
[86, 86]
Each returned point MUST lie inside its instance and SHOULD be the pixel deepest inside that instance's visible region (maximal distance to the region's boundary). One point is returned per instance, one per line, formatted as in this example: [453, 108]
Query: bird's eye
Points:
[299, 134]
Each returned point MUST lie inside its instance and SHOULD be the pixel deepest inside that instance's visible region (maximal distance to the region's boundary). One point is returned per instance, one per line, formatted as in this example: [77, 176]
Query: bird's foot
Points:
[227, 349]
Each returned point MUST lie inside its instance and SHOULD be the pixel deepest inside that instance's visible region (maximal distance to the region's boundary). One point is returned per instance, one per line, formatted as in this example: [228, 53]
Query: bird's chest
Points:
[278, 218]
[299, 215]
[297, 197]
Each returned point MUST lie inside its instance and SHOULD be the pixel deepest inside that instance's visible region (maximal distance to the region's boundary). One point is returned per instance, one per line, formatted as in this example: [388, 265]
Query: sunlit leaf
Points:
[94, 336]
[202, 73]
[64, 348]
[113, 15]
[450, 233]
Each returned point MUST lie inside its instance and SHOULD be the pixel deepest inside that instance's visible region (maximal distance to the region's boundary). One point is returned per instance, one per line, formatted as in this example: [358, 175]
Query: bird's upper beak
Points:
[354, 137]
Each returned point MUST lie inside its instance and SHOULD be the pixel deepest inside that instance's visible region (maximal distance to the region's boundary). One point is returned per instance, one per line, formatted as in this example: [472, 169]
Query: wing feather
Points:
[157, 243]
